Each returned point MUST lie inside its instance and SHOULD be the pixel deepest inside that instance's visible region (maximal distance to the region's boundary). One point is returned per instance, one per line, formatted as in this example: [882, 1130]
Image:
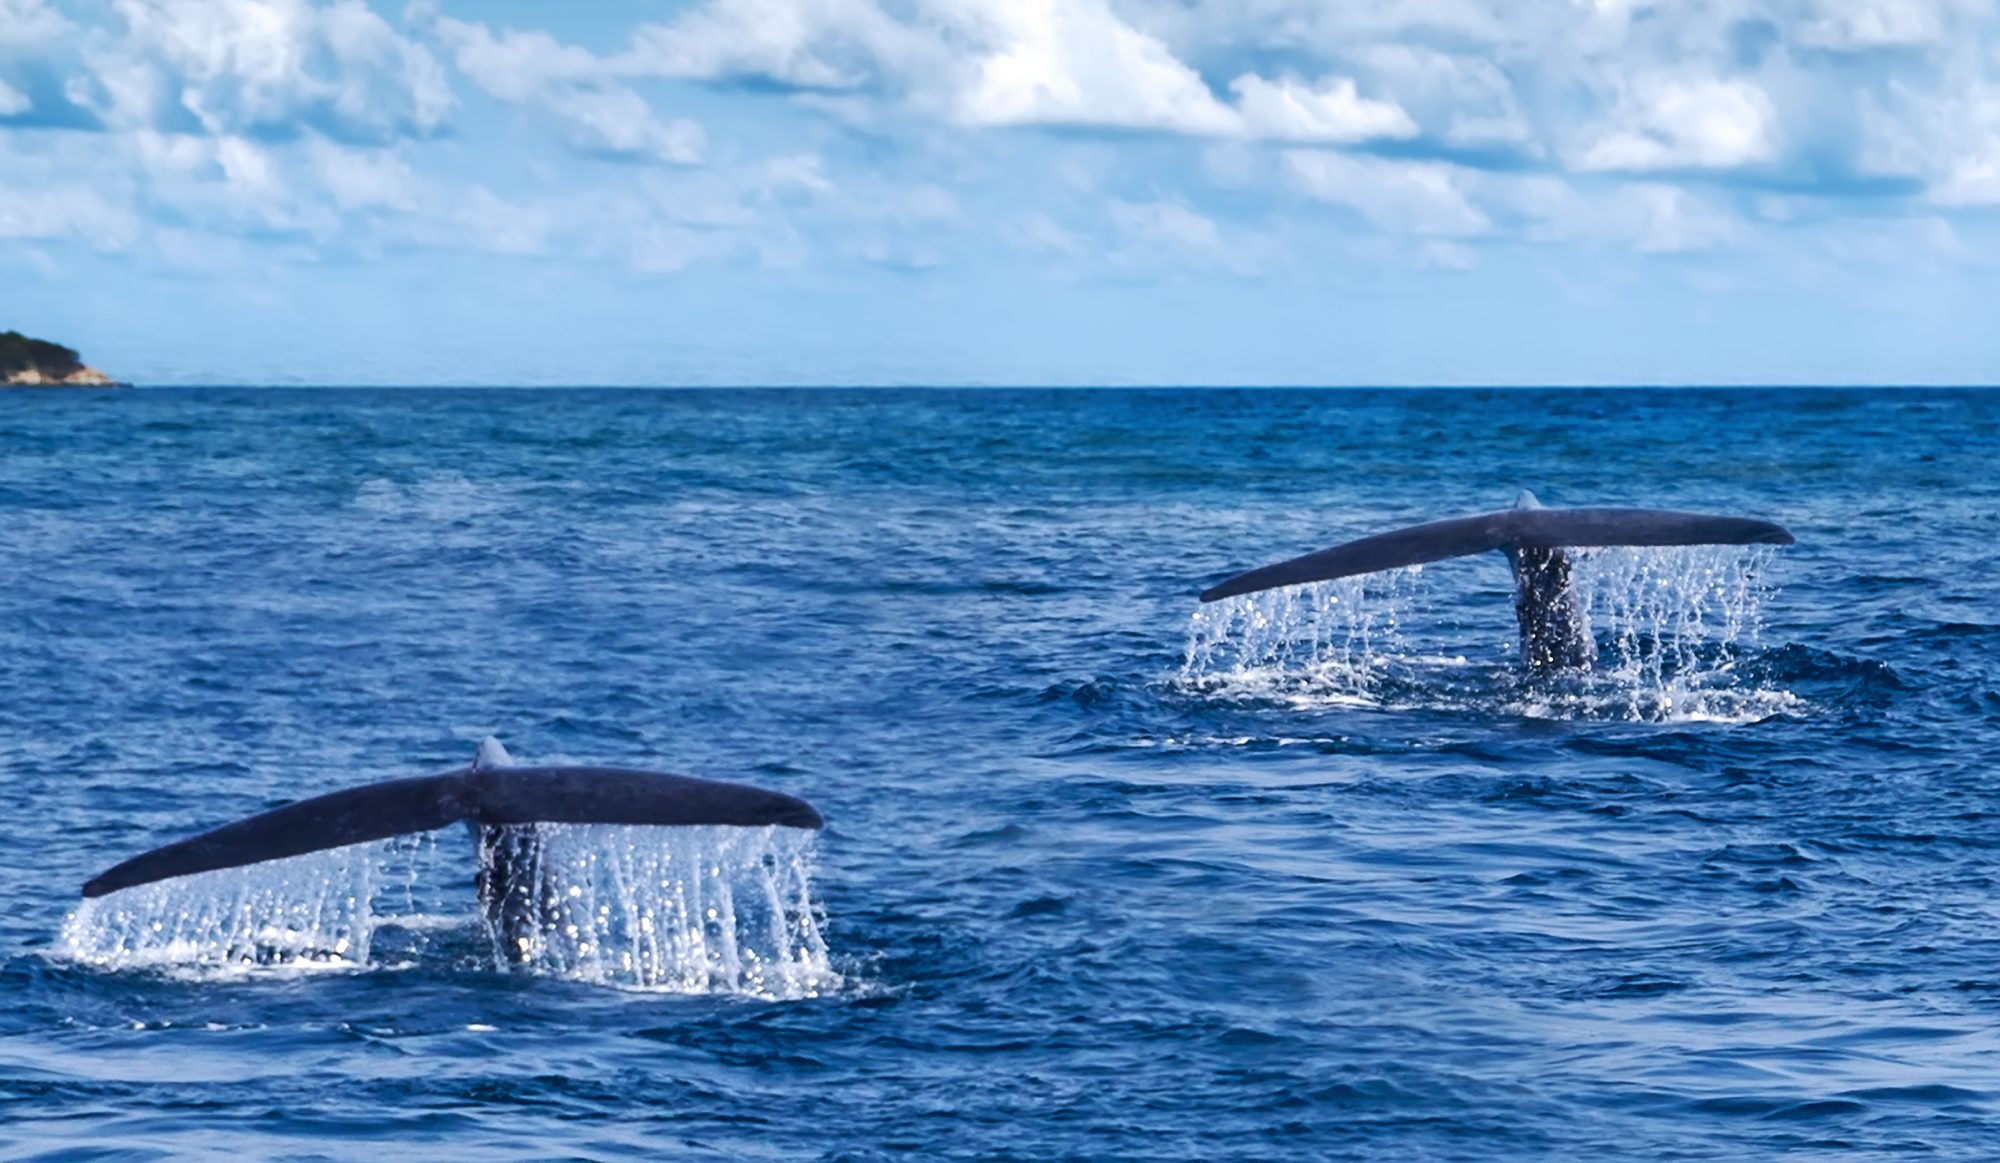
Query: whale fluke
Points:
[488, 793]
[1416, 545]
[1553, 631]
[1521, 528]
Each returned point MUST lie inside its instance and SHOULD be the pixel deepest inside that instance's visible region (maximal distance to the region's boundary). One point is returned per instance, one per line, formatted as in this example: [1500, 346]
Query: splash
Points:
[716, 910]
[305, 912]
[1323, 642]
[1673, 627]
[709, 910]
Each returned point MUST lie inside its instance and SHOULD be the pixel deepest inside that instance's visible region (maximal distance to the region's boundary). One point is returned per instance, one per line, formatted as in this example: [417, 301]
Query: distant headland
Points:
[29, 363]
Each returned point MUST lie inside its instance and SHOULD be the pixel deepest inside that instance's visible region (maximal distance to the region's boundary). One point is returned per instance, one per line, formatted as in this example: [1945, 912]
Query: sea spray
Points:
[706, 910]
[1671, 626]
[713, 910]
[311, 911]
[1329, 639]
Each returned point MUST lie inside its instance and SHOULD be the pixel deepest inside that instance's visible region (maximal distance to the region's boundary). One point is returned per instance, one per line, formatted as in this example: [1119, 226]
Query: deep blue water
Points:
[1082, 894]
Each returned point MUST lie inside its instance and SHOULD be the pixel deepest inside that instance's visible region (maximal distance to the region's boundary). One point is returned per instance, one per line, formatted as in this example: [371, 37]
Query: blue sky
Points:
[1006, 191]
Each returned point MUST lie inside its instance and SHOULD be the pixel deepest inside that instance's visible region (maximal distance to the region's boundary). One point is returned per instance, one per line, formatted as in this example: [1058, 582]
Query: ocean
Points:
[1316, 873]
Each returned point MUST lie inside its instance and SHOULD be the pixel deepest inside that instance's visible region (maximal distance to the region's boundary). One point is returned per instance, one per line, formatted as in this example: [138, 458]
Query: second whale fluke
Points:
[1534, 539]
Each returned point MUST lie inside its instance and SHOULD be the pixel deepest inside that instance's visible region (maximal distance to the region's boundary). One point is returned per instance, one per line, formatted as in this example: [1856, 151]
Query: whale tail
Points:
[1553, 633]
[491, 791]
[1526, 526]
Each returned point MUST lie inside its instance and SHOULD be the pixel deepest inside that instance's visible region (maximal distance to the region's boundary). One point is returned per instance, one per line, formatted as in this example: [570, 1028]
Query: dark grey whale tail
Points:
[1525, 527]
[1533, 539]
[490, 792]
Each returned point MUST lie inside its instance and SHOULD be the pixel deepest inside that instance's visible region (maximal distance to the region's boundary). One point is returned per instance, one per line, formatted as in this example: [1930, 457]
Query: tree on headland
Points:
[24, 360]
[19, 353]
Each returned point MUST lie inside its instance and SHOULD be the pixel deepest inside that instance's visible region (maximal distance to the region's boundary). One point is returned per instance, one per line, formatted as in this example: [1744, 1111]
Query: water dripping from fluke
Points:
[1674, 631]
[710, 910]
[1328, 643]
[718, 910]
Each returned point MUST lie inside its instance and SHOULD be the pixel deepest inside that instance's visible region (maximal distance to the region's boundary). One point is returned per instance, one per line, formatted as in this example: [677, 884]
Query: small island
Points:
[35, 363]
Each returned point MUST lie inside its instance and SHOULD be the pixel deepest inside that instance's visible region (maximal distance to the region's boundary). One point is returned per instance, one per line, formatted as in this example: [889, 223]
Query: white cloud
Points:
[1670, 123]
[1670, 220]
[1165, 223]
[111, 191]
[996, 63]
[26, 23]
[796, 172]
[486, 221]
[1397, 197]
[1860, 25]
[73, 211]
[1889, 143]
[810, 44]
[29, 30]
[1334, 113]
[615, 120]
[515, 66]
[1649, 123]
[1643, 217]
[658, 221]
[363, 179]
[573, 90]
[270, 66]
[225, 185]
[1038, 233]
[1443, 255]
[45, 200]
[1466, 100]
[1075, 63]
[1166, 233]
[1950, 143]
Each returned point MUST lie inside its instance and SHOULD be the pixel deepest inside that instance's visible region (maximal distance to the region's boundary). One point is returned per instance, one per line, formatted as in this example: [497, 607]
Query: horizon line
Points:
[1525, 386]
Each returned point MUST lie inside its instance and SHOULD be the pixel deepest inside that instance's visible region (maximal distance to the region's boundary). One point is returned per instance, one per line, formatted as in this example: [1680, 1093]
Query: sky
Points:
[1005, 191]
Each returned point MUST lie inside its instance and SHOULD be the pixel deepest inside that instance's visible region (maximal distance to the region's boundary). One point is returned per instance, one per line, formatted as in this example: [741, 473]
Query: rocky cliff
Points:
[26, 362]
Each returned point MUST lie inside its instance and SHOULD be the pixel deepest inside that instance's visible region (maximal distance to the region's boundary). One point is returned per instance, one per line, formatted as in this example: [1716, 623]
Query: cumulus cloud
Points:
[1205, 124]
[29, 24]
[1397, 197]
[31, 34]
[611, 119]
[271, 67]
[809, 44]
[1166, 234]
[1640, 217]
[1460, 99]
[516, 66]
[49, 197]
[1038, 233]
[1168, 223]
[1334, 112]
[1950, 144]
[109, 192]
[1001, 63]
[363, 179]
[1862, 25]
[1670, 220]
[1444, 255]
[1672, 123]
[573, 90]
[1076, 63]
[665, 221]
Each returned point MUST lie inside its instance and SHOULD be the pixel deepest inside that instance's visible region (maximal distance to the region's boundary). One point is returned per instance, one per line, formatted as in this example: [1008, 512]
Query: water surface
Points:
[1313, 874]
